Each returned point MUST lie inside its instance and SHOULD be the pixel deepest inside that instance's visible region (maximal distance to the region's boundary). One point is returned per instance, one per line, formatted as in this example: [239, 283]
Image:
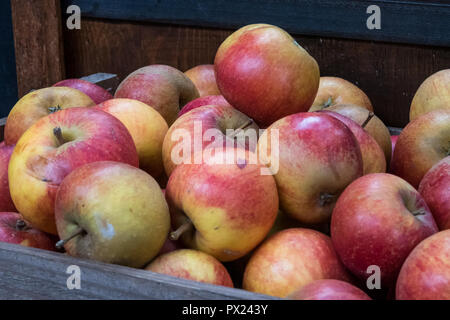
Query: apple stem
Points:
[21, 225]
[419, 212]
[175, 235]
[242, 127]
[58, 134]
[61, 243]
[326, 198]
[328, 103]
[369, 117]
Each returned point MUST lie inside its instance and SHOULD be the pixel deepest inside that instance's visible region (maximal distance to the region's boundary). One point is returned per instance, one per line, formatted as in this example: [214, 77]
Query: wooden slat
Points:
[38, 43]
[108, 81]
[30, 273]
[417, 22]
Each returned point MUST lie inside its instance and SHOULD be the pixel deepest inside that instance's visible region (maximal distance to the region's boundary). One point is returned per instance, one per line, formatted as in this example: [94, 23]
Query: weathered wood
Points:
[38, 43]
[417, 22]
[108, 81]
[28, 273]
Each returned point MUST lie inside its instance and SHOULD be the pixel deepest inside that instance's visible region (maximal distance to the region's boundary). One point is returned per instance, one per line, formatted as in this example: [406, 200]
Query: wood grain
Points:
[389, 73]
[39, 274]
[38, 43]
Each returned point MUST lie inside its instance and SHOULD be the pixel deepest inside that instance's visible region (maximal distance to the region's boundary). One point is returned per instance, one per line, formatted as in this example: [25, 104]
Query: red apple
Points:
[56, 145]
[95, 92]
[425, 275]
[422, 143]
[204, 78]
[314, 165]
[394, 139]
[192, 265]
[162, 87]
[329, 289]
[204, 101]
[112, 212]
[333, 91]
[435, 189]
[373, 157]
[38, 104]
[433, 94]
[6, 203]
[290, 260]
[221, 207]
[13, 229]
[263, 72]
[191, 134]
[378, 220]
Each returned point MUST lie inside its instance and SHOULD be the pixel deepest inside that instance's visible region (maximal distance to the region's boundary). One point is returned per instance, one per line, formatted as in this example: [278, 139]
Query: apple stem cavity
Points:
[369, 117]
[328, 103]
[419, 212]
[58, 134]
[21, 225]
[54, 109]
[241, 127]
[61, 243]
[175, 235]
[326, 198]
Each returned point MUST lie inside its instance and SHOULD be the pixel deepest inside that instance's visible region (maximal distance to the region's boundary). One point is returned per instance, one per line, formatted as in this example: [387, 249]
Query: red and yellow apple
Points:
[204, 78]
[425, 275]
[290, 260]
[329, 289]
[433, 94]
[6, 203]
[318, 157]
[13, 229]
[334, 90]
[264, 73]
[95, 92]
[217, 100]
[435, 189]
[192, 265]
[112, 212]
[56, 145]
[422, 143]
[163, 87]
[378, 220]
[224, 206]
[147, 128]
[38, 104]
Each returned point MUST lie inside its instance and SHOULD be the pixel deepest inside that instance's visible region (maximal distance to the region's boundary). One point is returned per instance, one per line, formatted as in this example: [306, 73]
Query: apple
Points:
[40, 103]
[370, 122]
[223, 208]
[291, 259]
[318, 157]
[334, 90]
[13, 229]
[197, 124]
[425, 275]
[217, 100]
[435, 189]
[111, 212]
[6, 203]
[422, 143]
[329, 289]
[378, 220]
[192, 265]
[204, 78]
[95, 92]
[162, 87]
[372, 155]
[147, 128]
[394, 139]
[264, 73]
[56, 145]
[433, 94]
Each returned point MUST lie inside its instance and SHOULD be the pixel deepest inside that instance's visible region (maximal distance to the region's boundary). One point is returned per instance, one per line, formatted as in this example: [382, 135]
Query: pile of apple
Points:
[97, 173]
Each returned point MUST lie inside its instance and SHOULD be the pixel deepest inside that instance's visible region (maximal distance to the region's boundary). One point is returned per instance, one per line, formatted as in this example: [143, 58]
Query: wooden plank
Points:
[32, 273]
[108, 81]
[38, 43]
[417, 22]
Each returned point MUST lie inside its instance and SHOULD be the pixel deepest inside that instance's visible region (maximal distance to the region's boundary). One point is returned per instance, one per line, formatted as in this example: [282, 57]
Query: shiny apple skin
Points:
[216, 100]
[264, 73]
[291, 259]
[312, 163]
[39, 164]
[329, 289]
[192, 265]
[373, 224]
[6, 203]
[421, 144]
[121, 209]
[95, 92]
[435, 189]
[204, 78]
[425, 275]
